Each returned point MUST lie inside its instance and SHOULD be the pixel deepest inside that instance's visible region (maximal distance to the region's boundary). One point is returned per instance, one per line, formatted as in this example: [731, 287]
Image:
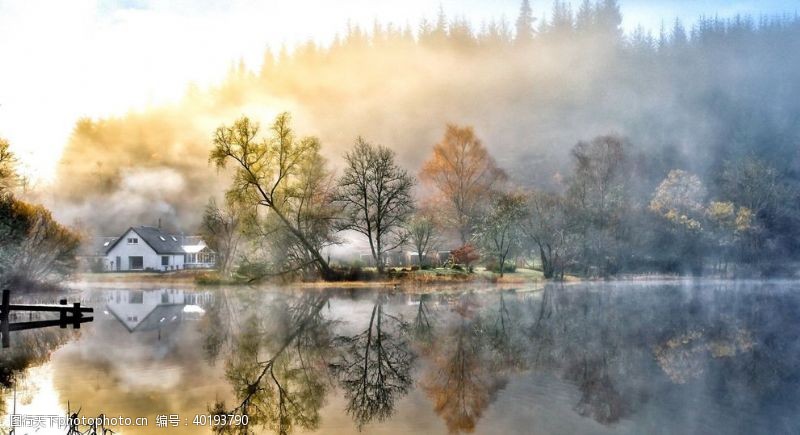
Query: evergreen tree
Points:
[525, 23]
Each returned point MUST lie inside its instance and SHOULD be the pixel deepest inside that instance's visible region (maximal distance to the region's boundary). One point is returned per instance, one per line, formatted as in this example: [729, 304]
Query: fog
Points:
[685, 98]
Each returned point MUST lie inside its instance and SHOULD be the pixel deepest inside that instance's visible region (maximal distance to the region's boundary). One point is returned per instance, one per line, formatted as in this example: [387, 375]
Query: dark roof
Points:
[96, 246]
[160, 241]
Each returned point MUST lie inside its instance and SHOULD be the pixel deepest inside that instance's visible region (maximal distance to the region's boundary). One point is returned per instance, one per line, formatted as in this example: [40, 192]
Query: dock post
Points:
[4, 323]
[76, 315]
[62, 315]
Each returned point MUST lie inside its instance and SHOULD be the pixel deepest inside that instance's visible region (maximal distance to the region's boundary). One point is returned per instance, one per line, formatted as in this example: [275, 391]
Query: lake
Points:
[630, 358]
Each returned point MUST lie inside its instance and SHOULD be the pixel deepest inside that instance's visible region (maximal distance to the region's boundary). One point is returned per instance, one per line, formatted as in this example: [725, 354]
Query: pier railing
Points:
[67, 315]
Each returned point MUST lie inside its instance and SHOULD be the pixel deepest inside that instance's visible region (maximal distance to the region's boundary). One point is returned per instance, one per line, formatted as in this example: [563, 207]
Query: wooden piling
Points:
[4, 323]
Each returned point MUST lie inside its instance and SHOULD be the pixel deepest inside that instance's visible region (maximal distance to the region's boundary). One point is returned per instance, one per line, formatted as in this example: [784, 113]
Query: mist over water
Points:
[684, 357]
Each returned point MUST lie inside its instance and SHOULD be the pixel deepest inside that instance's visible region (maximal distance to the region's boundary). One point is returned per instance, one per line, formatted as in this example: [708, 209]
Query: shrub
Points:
[507, 267]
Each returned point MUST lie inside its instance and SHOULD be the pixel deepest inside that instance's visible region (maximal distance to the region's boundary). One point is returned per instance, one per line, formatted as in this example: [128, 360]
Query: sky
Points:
[63, 60]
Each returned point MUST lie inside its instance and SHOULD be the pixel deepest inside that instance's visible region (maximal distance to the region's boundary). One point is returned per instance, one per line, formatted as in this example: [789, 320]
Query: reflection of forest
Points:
[619, 353]
[619, 349]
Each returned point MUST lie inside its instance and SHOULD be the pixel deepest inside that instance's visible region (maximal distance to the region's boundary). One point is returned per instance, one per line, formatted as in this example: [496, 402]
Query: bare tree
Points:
[221, 230]
[270, 173]
[423, 234]
[376, 194]
[465, 175]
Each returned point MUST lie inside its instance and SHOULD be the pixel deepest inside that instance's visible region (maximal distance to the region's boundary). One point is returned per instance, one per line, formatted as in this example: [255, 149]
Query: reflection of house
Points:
[148, 248]
[148, 310]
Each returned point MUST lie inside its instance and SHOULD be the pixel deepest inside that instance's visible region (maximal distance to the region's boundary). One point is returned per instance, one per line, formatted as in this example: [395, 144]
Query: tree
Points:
[546, 225]
[221, 230]
[269, 173]
[34, 246]
[598, 196]
[499, 232]
[423, 234]
[679, 199]
[376, 195]
[465, 255]
[465, 175]
[524, 24]
[727, 227]
[9, 177]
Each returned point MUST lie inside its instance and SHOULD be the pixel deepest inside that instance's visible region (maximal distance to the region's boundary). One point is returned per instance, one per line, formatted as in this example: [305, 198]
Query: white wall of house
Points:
[124, 250]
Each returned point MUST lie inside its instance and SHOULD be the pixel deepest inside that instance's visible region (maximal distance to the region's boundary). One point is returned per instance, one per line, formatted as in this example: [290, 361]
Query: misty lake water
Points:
[631, 358]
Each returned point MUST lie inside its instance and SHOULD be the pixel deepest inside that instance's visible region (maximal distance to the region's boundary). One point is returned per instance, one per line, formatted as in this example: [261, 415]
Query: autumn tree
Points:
[679, 200]
[269, 173]
[465, 175]
[376, 195]
[499, 234]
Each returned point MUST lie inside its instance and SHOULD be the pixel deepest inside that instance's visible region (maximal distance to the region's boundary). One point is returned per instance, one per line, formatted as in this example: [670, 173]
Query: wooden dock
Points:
[68, 315]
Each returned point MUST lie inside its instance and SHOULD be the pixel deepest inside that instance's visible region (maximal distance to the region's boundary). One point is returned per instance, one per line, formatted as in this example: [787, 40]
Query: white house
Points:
[149, 248]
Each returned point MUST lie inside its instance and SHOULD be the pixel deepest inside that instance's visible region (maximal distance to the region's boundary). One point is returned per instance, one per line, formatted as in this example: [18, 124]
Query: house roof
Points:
[160, 241]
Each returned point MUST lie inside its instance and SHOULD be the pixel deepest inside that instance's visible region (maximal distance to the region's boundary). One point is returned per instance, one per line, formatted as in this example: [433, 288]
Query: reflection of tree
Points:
[504, 336]
[374, 367]
[600, 399]
[288, 388]
[462, 382]
[423, 323]
[216, 325]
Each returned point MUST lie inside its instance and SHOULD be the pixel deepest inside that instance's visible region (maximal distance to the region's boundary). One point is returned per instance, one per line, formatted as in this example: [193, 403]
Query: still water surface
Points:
[678, 358]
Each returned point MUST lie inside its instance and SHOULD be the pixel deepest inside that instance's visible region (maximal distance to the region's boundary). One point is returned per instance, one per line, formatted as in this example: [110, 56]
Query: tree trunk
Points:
[547, 264]
[324, 268]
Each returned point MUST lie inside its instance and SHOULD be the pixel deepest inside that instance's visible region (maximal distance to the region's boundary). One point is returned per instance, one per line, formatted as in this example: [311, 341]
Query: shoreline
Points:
[402, 283]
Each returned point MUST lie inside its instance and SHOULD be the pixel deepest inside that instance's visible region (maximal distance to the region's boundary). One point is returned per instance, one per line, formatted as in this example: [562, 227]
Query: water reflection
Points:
[373, 366]
[630, 358]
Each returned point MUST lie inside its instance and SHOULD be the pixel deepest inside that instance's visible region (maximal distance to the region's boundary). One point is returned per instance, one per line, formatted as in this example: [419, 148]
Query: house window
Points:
[135, 263]
[164, 260]
[133, 240]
